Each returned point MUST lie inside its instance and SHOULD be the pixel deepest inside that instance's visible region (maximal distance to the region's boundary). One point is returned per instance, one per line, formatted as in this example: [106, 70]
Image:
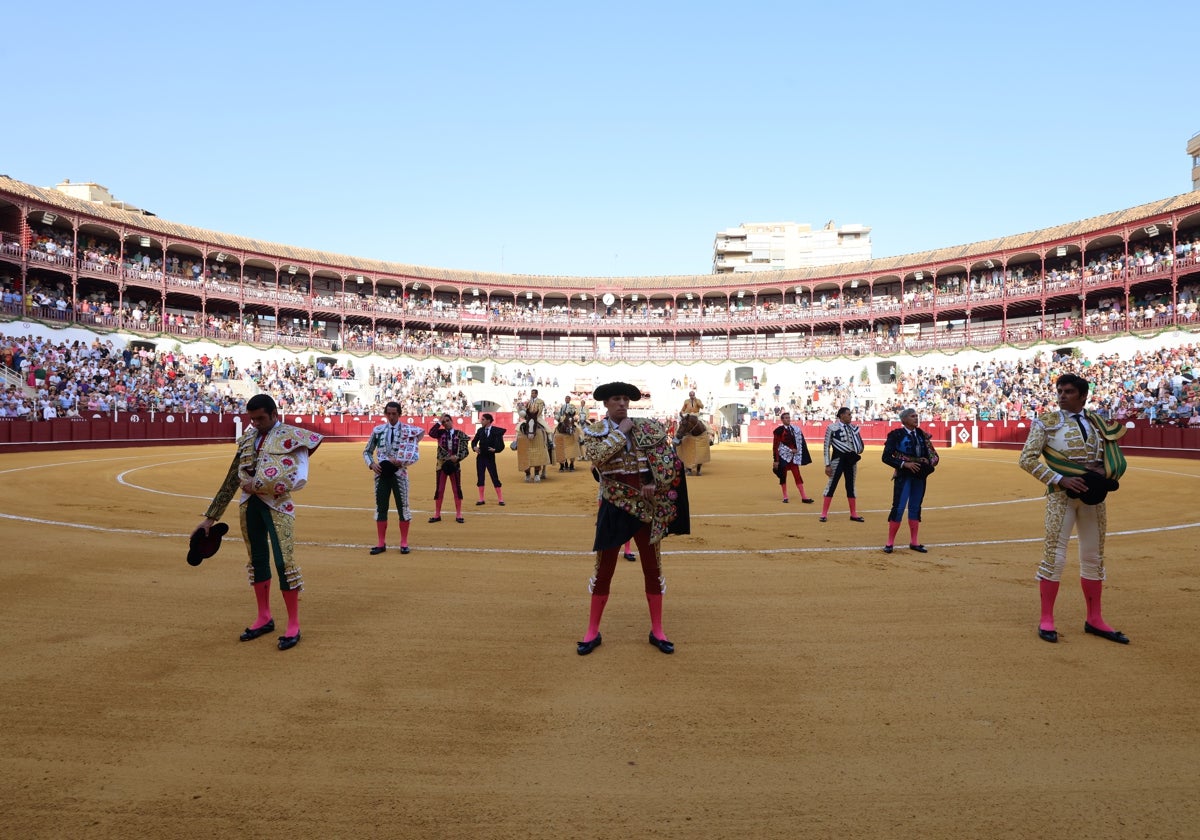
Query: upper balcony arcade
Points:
[93, 251]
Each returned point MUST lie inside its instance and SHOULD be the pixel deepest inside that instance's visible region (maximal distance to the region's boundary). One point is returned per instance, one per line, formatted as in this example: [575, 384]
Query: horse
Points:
[532, 445]
[529, 425]
[566, 443]
[692, 442]
[567, 425]
[690, 425]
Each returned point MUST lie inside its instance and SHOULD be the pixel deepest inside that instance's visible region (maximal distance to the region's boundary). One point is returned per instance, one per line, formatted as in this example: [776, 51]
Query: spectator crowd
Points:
[50, 379]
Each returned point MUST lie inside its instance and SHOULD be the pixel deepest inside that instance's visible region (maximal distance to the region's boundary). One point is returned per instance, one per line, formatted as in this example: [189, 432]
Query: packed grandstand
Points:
[107, 310]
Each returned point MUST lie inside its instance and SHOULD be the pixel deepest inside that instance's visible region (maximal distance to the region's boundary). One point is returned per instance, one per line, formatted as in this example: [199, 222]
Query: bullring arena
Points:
[820, 687]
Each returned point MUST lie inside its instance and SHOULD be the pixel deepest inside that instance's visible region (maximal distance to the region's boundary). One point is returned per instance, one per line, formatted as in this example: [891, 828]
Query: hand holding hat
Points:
[1098, 487]
[205, 542]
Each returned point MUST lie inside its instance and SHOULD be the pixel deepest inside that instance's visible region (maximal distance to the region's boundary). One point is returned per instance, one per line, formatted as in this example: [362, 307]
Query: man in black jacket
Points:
[488, 441]
[909, 451]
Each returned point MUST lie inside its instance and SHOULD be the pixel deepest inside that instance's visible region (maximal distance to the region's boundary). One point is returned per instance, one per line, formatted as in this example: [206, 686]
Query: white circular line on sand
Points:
[121, 479]
[562, 552]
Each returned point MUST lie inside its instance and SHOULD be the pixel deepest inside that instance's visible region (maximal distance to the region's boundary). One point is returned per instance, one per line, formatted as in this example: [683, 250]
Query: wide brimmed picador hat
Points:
[618, 389]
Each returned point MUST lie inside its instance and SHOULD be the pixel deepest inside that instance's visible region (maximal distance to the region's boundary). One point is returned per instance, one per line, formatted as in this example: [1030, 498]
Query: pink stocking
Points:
[381, 531]
[1091, 594]
[825, 505]
[893, 529]
[1049, 590]
[853, 506]
[404, 533]
[262, 594]
[914, 525]
[481, 492]
[499, 494]
[291, 597]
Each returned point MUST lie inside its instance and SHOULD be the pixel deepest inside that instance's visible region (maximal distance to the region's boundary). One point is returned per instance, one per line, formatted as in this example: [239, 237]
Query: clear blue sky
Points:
[607, 139]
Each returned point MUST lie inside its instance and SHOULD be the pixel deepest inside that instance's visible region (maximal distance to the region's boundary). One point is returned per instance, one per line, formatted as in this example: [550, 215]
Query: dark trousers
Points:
[841, 467]
[907, 491]
[264, 542]
[386, 488]
[486, 464]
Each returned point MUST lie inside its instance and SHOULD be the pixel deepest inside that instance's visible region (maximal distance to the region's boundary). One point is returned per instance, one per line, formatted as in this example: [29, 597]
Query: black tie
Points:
[1082, 428]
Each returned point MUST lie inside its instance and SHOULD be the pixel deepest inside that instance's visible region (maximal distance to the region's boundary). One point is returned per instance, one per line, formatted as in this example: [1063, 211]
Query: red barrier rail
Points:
[157, 429]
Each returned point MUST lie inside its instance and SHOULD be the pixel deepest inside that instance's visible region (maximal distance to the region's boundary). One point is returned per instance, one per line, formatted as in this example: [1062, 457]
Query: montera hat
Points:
[204, 545]
[618, 389]
[1098, 487]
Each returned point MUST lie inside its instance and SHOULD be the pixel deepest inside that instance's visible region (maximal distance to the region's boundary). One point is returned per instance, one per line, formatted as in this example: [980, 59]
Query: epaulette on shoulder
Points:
[597, 429]
[1051, 419]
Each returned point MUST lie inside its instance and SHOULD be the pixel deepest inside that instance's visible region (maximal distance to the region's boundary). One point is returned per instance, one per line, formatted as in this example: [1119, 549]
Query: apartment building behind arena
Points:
[764, 246]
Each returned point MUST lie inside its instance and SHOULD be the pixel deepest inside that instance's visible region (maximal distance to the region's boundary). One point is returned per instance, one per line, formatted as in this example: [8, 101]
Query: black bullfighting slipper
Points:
[887, 549]
[809, 501]
[785, 501]
[459, 520]
[922, 549]
[405, 549]
[435, 519]
[289, 642]
[857, 519]
[1112, 635]
[378, 549]
[662, 644]
[501, 504]
[823, 519]
[253, 633]
[584, 648]
[477, 504]
[629, 557]
[1048, 635]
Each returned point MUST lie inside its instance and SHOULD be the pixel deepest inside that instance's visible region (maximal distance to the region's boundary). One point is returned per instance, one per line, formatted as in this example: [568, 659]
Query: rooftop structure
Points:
[770, 246]
[95, 194]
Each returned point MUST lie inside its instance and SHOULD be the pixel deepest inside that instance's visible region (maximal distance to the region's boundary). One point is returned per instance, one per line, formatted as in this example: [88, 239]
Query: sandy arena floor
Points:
[820, 688]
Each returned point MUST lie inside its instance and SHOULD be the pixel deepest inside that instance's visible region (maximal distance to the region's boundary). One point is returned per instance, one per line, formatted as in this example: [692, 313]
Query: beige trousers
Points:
[1064, 514]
